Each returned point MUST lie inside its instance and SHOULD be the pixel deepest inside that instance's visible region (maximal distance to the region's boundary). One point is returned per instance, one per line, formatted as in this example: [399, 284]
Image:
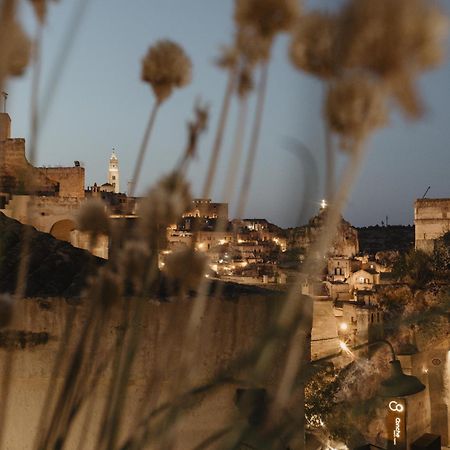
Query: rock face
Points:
[345, 242]
[55, 267]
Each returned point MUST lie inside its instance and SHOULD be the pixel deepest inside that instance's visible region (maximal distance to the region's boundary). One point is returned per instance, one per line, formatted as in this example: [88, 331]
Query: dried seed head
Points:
[252, 46]
[106, 288]
[228, 57]
[165, 202]
[93, 218]
[186, 267]
[313, 44]
[267, 17]
[6, 310]
[40, 9]
[245, 82]
[355, 106]
[394, 39]
[19, 50]
[134, 263]
[166, 66]
[195, 128]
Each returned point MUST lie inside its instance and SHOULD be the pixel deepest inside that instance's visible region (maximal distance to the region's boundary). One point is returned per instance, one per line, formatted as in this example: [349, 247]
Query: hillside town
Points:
[349, 296]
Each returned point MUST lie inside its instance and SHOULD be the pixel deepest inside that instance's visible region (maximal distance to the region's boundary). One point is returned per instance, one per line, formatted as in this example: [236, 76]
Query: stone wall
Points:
[70, 179]
[17, 175]
[432, 221]
[228, 329]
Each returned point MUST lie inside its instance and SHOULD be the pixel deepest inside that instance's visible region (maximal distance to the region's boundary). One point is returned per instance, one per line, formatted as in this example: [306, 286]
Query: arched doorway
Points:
[61, 230]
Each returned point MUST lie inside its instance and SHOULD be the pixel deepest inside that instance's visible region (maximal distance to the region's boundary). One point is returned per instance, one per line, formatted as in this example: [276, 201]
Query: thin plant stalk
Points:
[233, 166]
[212, 168]
[199, 303]
[330, 164]
[26, 243]
[7, 11]
[313, 265]
[249, 165]
[60, 355]
[143, 148]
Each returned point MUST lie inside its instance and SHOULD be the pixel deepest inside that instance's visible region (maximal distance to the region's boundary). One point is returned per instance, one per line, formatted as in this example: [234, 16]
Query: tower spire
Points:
[113, 172]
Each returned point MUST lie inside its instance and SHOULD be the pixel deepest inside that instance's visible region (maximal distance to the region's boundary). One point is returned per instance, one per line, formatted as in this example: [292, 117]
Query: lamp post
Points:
[398, 384]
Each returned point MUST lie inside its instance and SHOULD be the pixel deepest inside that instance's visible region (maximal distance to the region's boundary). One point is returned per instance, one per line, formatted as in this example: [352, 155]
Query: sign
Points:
[396, 424]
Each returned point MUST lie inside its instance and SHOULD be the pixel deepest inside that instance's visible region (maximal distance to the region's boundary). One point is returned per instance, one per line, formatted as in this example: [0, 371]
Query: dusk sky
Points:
[101, 103]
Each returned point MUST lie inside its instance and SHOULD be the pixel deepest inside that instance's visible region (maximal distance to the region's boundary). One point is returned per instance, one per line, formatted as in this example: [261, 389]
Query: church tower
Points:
[113, 173]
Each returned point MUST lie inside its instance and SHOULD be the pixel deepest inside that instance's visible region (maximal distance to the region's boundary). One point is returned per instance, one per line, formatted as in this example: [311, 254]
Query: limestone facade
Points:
[432, 221]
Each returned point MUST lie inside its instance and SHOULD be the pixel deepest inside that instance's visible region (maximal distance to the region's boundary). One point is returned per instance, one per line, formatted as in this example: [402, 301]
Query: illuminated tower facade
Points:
[113, 173]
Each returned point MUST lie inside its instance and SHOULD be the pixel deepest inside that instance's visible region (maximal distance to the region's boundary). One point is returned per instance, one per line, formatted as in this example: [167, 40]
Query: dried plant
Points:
[228, 57]
[355, 107]
[40, 9]
[165, 67]
[195, 129]
[93, 218]
[6, 310]
[313, 44]
[252, 46]
[245, 83]
[164, 203]
[267, 17]
[186, 268]
[19, 53]
[418, 29]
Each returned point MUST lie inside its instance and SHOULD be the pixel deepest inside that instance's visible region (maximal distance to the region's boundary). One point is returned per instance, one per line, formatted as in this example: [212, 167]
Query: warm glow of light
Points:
[222, 241]
[323, 204]
[343, 326]
[345, 348]
[425, 370]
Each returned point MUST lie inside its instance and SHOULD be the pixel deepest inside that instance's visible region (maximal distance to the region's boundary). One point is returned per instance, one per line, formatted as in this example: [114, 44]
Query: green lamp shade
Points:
[399, 384]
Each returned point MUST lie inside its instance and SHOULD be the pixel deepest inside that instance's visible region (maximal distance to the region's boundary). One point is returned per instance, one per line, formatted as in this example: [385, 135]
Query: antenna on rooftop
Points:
[426, 192]
[5, 97]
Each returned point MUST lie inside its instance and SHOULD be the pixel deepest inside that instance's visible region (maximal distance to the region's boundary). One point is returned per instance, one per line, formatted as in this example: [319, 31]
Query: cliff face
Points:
[345, 242]
[55, 267]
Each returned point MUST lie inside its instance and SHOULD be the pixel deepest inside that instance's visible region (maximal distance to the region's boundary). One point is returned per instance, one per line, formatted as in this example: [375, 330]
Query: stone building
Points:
[205, 209]
[432, 221]
[58, 191]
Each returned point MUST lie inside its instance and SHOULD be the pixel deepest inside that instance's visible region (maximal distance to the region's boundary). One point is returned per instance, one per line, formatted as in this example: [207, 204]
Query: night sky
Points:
[101, 103]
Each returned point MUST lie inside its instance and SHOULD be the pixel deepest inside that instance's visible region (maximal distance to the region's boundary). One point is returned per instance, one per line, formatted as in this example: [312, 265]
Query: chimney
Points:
[5, 126]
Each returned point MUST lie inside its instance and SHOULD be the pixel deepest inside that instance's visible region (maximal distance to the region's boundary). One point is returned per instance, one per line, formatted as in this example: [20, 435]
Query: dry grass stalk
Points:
[165, 67]
[355, 107]
[40, 9]
[313, 44]
[93, 218]
[228, 57]
[6, 310]
[164, 203]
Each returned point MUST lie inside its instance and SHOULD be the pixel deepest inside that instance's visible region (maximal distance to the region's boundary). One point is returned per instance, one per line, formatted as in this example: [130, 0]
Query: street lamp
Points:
[398, 384]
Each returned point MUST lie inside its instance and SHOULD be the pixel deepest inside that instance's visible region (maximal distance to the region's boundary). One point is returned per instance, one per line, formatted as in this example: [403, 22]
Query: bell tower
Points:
[113, 172]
